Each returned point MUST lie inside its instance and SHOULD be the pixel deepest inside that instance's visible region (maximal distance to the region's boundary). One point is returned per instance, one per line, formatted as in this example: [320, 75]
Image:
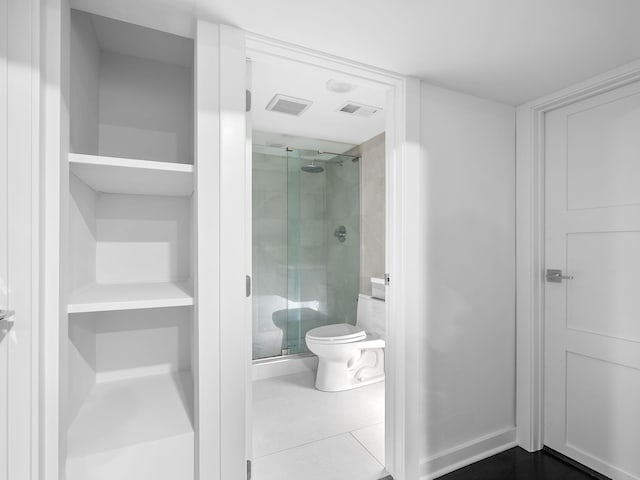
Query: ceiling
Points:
[321, 120]
[507, 50]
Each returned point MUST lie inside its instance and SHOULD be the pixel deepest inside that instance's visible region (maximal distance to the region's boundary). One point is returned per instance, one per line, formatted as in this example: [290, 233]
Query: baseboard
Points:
[467, 453]
[574, 463]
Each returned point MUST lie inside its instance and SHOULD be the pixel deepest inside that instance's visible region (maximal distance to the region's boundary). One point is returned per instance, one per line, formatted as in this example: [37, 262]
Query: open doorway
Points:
[318, 265]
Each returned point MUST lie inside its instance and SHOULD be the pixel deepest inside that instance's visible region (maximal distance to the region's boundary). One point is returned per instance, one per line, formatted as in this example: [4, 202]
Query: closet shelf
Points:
[104, 298]
[130, 176]
[124, 413]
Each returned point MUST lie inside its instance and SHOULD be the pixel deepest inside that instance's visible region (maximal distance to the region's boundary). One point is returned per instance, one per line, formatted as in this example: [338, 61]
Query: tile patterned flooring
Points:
[300, 432]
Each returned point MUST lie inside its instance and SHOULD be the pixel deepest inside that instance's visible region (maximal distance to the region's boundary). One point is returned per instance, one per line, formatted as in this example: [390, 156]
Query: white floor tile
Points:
[372, 438]
[335, 458]
[288, 411]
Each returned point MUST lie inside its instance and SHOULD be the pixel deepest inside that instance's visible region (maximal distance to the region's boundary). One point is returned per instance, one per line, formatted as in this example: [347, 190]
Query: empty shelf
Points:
[103, 298]
[129, 176]
[128, 412]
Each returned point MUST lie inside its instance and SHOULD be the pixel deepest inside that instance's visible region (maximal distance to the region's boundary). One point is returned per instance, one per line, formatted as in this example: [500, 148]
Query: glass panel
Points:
[269, 222]
[291, 340]
[306, 245]
[343, 258]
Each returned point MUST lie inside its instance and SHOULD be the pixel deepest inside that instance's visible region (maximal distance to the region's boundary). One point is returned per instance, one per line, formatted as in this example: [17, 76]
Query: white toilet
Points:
[350, 356]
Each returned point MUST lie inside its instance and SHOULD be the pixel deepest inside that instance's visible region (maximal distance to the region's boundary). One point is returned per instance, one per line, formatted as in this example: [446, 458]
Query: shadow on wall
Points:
[466, 318]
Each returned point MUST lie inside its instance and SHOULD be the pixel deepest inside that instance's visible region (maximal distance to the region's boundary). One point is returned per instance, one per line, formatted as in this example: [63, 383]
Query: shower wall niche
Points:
[304, 275]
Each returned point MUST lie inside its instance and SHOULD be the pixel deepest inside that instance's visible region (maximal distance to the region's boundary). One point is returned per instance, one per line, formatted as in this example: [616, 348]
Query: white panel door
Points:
[18, 156]
[592, 329]
[4, 353]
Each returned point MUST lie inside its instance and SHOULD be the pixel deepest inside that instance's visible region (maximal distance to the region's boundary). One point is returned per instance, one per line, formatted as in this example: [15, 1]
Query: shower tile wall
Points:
[269, 251]
[343, 262]
[313, 241]
[372, 214]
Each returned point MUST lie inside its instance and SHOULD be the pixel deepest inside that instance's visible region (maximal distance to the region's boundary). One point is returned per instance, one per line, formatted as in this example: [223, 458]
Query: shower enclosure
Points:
[306, 245]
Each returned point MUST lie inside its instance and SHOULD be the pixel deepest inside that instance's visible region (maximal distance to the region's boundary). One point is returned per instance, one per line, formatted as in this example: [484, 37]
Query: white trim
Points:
[530, 245]
[53, 228]
[467, 453]
[20, 87]
[403, 150]
[207, 244]
[233, 350]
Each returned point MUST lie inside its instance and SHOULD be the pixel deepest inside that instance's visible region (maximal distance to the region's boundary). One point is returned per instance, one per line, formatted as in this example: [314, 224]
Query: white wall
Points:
[372, 211]
[145, 109]
[142, 238]
[82, 361]
[135, 343]
[85, 84]
[467, 335]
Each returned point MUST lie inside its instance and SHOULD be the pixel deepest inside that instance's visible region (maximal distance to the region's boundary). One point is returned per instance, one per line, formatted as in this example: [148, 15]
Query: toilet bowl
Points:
[350, 356]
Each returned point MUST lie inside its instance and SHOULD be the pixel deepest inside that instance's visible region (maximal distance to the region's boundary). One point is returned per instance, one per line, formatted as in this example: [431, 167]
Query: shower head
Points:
[313, 168]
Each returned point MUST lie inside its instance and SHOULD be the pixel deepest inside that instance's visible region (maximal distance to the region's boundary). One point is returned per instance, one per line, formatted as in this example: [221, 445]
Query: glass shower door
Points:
[291, 340]
[306, 245]
[269, 223]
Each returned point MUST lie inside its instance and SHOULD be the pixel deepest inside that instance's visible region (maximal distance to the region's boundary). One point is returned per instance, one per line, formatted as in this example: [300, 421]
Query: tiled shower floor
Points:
[300, 432]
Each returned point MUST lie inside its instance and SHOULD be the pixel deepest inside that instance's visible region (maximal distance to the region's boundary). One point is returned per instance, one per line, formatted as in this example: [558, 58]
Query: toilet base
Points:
[366, 367]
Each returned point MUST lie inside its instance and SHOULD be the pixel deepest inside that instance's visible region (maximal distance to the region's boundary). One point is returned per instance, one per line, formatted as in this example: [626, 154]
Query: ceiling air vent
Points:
[358, 109]
[288, 105]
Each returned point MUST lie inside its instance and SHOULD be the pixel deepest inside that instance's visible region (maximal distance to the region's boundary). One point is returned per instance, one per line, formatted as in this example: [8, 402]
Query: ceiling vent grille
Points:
[289, 105]
[359, 110]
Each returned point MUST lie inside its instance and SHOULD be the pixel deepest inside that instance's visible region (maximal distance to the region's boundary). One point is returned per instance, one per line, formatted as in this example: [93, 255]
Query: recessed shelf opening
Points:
[128, 241]
[131, 91]
[132, 385]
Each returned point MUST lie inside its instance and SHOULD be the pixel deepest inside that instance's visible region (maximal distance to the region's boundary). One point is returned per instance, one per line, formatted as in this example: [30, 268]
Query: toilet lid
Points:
[336, 333]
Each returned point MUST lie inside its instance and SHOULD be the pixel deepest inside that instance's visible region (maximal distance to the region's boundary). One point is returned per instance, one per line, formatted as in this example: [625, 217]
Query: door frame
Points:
[402, 153]
[530, 245]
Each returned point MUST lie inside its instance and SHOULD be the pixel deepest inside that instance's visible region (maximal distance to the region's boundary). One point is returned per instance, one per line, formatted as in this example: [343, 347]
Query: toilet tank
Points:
[371, 315]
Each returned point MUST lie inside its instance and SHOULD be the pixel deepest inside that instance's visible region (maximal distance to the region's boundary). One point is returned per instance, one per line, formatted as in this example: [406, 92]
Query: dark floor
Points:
[518, 464]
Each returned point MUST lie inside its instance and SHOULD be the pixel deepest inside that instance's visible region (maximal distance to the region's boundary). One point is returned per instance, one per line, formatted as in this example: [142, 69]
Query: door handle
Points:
[555, 276]
[5, 320]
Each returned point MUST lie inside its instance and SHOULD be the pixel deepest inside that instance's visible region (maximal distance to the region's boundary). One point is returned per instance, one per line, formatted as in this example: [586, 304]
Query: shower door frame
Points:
[402, 145]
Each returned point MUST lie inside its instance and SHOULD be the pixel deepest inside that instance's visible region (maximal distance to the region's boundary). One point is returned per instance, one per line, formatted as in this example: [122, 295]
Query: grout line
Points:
[303, 444]
[364, 446]
[319, 440]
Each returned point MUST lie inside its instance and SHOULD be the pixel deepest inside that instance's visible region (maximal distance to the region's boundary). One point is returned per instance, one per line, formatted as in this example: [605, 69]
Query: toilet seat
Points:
[336, 334]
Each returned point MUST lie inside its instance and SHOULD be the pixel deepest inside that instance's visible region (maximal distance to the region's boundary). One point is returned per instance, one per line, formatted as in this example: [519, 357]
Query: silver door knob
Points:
[556, 276]
[5, 322]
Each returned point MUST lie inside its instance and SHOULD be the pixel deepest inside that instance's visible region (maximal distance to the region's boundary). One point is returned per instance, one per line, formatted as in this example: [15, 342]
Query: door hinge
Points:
[248, 99]
[387, 279]
[248, 285]
[248, 469]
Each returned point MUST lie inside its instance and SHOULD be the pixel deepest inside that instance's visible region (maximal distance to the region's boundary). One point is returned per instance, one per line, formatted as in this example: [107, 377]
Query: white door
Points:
[592, 329]
[4, 357]
[17, 158]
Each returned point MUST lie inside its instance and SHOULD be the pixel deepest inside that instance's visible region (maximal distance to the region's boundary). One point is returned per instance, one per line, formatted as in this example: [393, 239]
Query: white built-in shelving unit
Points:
[104, 298]
[131, 176]
[131, 223]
